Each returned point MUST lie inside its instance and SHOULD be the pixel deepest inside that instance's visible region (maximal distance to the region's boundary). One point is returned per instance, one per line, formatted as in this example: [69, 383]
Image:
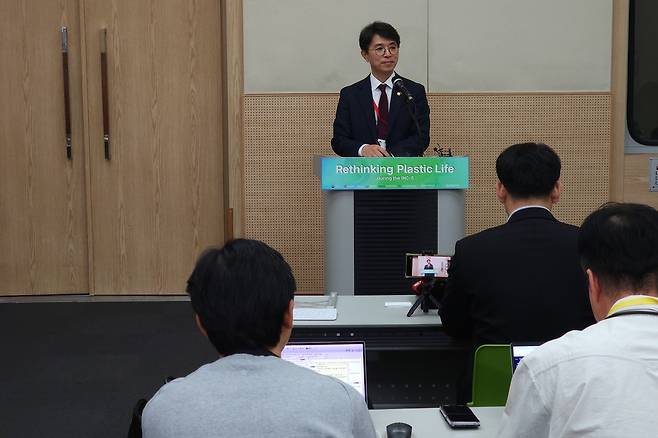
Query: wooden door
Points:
[157, 202]
[43, 230]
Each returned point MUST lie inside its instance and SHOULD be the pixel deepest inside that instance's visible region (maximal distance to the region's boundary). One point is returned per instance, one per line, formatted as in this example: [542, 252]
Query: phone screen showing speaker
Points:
[434, 265]
[459, 416]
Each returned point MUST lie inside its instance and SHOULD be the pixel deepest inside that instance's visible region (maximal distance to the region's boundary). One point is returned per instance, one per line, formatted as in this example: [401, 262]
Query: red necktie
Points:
[382, 115]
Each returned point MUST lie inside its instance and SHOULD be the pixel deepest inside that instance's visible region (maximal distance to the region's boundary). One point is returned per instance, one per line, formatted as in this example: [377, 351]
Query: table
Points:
[371, 310]
[411, 362]
[367, 318]
[428, 422]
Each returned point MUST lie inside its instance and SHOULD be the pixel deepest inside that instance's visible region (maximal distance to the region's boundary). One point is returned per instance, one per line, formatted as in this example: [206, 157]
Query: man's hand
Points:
[374, 150]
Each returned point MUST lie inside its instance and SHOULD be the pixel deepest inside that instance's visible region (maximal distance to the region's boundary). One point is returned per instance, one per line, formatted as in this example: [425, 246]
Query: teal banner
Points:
[342, 173]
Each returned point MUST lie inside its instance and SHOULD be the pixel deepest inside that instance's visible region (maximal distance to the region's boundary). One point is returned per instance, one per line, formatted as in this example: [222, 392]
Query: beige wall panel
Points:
[312, 45]
[618, 83]
[519, 45]
[636, 180]
[282, 133]
[233, 92]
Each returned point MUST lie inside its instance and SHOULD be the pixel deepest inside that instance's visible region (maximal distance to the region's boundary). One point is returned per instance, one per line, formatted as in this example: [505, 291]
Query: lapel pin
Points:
[398, 93]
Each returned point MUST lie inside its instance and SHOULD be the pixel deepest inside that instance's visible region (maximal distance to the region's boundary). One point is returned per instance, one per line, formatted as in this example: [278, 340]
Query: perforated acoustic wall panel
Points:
[577, 126]
[284, 131]
[283, 202]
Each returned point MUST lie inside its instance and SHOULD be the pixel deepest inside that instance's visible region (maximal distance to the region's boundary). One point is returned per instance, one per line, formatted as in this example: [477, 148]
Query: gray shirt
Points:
[256, 396]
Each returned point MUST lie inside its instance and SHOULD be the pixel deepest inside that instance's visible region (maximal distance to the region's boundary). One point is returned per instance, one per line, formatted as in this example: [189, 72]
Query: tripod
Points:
[423, 288]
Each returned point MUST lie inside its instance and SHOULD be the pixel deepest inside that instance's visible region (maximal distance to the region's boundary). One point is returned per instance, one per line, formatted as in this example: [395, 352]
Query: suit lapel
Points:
[365, 99]
[396, 104]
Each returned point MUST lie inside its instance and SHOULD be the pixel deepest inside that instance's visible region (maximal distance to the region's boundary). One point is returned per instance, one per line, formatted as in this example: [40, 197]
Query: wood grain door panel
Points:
[158, 202]
[43, 230]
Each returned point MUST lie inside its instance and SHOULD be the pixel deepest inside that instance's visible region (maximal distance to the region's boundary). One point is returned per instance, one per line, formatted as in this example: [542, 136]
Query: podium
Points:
[378, 209]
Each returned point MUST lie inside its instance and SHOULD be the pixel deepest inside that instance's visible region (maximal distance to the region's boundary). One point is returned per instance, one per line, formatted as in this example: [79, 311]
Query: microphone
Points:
[400, 84]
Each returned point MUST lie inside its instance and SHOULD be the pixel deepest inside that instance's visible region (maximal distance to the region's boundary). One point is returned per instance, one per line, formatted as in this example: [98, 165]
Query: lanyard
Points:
[633, 302]
[376, 110]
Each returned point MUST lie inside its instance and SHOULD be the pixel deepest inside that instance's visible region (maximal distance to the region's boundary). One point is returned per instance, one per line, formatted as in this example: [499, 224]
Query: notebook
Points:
[314, 314]
[344, 361]
[315, 308]
[519, 351]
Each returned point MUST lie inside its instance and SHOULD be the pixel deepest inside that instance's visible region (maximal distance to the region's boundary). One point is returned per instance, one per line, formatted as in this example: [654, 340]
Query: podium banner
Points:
[423, 173]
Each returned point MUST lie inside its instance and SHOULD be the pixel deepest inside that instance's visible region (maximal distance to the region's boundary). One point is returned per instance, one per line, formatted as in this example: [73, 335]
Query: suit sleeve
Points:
[414, 145]
[342, 142]
[455, 309]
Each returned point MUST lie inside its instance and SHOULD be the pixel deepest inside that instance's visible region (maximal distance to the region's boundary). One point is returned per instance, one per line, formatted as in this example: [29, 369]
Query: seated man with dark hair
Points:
[602, 381]
[247, 315]
[520, 281]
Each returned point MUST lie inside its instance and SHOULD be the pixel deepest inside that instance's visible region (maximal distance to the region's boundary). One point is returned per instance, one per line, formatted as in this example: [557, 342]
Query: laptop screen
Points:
[345, 362]
[519, 352]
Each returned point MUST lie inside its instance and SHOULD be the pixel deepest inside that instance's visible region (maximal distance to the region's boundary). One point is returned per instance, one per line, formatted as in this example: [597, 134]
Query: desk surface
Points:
[428, 423]
[371, 310]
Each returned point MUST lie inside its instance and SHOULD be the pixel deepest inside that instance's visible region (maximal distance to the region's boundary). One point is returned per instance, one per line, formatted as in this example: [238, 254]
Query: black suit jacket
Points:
[520, 281]
[355, 125]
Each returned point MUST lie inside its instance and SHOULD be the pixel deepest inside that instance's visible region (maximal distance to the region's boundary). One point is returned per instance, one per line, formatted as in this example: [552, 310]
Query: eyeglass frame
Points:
[392, 50]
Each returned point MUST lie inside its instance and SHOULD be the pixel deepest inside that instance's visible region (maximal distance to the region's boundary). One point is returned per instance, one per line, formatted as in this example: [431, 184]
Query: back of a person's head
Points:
[528, 170]
[619, 243]
[241, 293]
[380, 28]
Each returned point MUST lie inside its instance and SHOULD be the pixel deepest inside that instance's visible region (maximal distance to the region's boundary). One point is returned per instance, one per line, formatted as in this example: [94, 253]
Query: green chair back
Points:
[492, 374]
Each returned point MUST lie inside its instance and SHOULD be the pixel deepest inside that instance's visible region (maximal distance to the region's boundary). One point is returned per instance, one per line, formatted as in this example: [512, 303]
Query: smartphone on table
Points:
[459, 416]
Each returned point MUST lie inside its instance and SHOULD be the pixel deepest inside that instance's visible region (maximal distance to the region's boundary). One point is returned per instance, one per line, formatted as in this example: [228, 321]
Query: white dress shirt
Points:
[526, 206]
[599, 382]
[376, 94]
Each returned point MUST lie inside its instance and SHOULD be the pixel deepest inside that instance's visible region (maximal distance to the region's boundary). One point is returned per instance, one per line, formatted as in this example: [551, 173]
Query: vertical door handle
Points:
[104, 93]
[67, 99]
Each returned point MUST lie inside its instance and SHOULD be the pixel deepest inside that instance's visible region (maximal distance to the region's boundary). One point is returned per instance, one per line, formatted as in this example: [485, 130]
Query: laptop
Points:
[344, 361]
[519, 351]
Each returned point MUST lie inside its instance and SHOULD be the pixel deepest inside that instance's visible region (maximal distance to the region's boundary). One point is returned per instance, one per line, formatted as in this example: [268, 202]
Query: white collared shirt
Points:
[599, 382]
[526, 206]
[376, 94]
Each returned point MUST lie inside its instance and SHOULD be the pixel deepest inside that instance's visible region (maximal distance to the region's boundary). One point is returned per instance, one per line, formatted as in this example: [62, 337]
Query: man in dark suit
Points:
[375, 118]
[520, 281]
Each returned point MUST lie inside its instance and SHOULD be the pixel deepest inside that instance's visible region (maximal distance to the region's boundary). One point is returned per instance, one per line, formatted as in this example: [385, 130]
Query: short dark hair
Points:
[619, 243]
[528, 169]
[380, 28]
[241, 293]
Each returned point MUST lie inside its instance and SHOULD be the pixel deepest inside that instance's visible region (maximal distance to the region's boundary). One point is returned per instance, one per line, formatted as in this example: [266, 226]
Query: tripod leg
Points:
[436, 303]
[425, 305]
[415, 306]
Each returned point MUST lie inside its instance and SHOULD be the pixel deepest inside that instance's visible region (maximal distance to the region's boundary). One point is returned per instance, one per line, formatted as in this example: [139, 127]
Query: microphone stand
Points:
[411, 105]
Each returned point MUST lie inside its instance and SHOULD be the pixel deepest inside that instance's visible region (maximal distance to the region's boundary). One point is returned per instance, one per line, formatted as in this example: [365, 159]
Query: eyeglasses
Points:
[381, 50]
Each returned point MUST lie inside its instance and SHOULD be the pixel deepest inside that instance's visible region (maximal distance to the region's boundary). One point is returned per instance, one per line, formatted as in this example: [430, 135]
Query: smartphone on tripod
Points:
[431, 270]
[427, 265]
